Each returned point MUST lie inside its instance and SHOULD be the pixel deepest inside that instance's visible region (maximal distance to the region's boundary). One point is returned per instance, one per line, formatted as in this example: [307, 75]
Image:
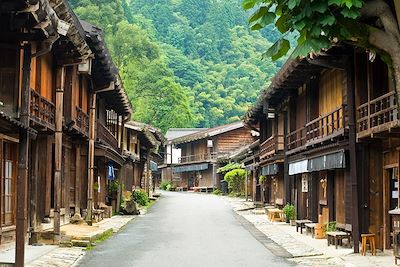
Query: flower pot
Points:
[293, 222]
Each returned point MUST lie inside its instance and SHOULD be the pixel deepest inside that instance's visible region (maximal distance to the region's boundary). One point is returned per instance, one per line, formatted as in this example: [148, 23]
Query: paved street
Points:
[185, 229]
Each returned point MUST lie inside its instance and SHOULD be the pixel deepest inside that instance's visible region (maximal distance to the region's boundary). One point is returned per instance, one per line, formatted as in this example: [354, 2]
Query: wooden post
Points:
[92, 129]
[78, 185]
[22, 179]
[254, 181]
[58, 149]
[34, 181]
[352, 153]
[286, 177]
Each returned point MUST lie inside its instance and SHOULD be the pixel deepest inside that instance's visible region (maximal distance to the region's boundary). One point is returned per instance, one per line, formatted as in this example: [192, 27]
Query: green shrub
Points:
[289, 211]
[330, 227]
[216, 191]
[114, 186]
[141, 197]
[164, 185]
[262, 179]
[236, 180]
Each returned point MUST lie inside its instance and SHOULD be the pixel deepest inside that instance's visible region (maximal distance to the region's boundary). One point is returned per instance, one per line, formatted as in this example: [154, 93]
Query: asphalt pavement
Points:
[186, 229]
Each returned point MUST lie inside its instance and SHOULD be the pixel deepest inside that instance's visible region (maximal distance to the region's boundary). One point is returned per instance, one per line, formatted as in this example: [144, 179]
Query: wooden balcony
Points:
[207, 157]
[82, 121]
[106, 137]
[378, 116]
[271, 146]
[42, 111]
[319, 130]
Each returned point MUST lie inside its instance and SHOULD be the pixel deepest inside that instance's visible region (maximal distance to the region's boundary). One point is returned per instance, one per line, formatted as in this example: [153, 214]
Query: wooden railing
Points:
[82, 120]
[42, 110]
[296, 138]
[198, 157]
[323, 127]
[377, 113]
[326, 125]
[270, 146]
[105, 136]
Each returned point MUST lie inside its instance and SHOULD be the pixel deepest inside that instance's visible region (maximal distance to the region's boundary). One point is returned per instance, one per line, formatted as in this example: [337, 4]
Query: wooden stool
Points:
[368, 238]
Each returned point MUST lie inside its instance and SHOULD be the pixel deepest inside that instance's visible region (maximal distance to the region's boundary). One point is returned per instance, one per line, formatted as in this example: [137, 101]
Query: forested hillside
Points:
[185, 63]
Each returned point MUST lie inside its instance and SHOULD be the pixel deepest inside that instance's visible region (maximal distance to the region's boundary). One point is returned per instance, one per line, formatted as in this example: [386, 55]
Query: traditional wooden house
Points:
[58, 88]
[198, 163]
[171, 153]
[141, 147]
[42, 41]
[109, 109]
[306, 119]
[378, 146]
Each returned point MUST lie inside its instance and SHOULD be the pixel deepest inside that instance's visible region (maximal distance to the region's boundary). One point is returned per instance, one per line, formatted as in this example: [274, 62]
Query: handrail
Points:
[82, 120]
[42, 109]
[320, 127]
[198, 157]
[106, 136]
[377, 112]
[271, 145]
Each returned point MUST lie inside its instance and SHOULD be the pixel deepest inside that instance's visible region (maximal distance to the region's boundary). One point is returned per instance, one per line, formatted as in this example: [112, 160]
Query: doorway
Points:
[391, 195]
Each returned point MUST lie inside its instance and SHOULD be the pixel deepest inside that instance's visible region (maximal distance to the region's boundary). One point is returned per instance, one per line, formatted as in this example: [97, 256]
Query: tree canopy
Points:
[184, 63]
[369, 24]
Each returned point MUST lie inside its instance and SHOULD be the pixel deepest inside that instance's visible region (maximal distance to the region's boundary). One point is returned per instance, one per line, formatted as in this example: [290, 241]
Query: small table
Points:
[310, 228]
[337, 237]
[300, 224]
[275, 215]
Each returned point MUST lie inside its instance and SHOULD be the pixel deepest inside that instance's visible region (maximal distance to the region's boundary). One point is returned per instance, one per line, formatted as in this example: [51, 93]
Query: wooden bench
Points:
[300, 224]
[203, 189]
[275, 215]
[337, 237]
[310, 228]
[98, 215]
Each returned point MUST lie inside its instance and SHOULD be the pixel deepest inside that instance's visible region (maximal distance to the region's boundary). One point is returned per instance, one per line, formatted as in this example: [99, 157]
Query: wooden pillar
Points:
[78, 179]
[34, 181]
[92, 136]
[22, 179]
[330, 194]
[58, 148]
[352, 153]
[286, 177]
[254, 181]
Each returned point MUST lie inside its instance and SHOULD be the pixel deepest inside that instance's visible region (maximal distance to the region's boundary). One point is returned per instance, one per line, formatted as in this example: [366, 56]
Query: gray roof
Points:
[179, 132]
[208, 132]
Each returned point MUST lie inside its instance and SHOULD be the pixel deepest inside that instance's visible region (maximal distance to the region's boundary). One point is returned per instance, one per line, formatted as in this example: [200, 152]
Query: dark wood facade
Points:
[202, 153]
[339, 158]
[49, 87]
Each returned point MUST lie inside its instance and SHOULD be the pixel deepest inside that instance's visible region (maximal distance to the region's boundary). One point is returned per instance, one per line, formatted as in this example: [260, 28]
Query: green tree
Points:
[369, 24]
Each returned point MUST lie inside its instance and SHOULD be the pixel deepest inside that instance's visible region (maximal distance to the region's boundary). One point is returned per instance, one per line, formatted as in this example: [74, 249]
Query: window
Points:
[7, 185]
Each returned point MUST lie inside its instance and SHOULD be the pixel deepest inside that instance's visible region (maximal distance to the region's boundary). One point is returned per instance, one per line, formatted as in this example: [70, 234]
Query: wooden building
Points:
[329, 140]
[200, 153]
[141, 149]
[60, 96]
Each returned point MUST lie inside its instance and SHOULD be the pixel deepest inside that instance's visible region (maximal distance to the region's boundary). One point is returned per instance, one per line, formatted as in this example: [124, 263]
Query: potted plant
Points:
[290, 214]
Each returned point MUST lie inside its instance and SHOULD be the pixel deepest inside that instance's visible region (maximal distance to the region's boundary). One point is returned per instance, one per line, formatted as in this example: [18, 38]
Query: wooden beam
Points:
[78, 179]
[22, 179]
[58, 149]
[350, 87]
[92, 136]
[34, 181]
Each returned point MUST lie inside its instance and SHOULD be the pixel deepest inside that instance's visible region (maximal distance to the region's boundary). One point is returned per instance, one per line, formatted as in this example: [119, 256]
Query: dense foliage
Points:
[366, 24]
[184, 63]
[228, 167]
[140, 197]
[236, 180]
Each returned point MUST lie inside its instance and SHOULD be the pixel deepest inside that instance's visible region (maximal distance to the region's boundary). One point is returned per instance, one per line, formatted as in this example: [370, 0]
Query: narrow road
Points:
[184, 229]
